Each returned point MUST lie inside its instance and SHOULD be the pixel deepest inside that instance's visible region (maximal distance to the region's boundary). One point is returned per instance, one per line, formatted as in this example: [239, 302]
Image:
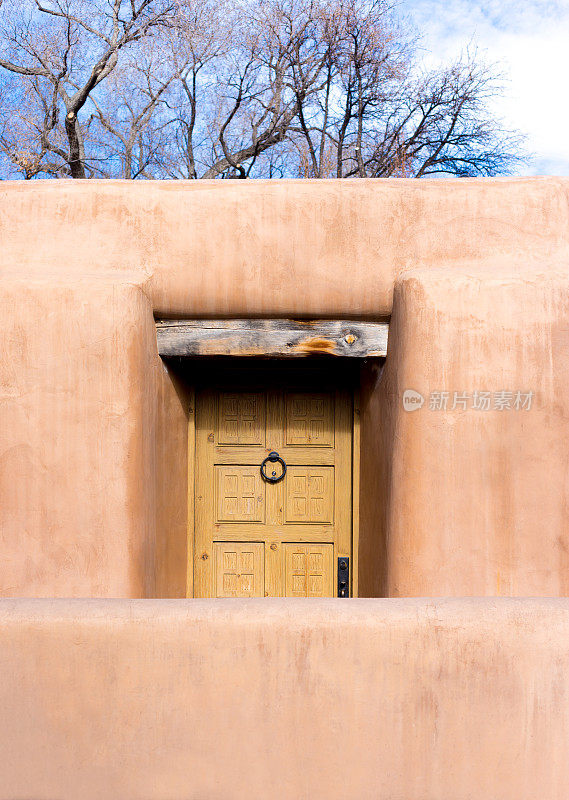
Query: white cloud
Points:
[531, 41]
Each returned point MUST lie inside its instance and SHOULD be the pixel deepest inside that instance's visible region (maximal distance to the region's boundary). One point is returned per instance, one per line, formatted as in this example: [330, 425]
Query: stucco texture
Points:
[474, 501]
[362, 699]
[474, 275]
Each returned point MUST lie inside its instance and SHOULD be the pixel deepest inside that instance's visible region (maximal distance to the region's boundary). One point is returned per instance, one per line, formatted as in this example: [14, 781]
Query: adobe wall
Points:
[366, 699]
[276, 248]
[476, 501]
[92, 428]
[77, 468]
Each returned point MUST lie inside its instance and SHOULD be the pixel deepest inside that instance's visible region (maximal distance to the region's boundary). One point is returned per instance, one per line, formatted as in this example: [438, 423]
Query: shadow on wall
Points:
[375, 473]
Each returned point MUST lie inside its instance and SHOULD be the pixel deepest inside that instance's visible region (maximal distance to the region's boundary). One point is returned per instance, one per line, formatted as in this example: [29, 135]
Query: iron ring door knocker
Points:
[273, 457]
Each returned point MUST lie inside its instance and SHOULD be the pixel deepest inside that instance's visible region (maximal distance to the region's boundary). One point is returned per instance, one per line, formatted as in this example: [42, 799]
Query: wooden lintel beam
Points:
[274, 338]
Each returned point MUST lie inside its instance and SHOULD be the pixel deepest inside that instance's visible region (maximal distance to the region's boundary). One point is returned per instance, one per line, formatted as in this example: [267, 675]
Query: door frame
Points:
[354, 391]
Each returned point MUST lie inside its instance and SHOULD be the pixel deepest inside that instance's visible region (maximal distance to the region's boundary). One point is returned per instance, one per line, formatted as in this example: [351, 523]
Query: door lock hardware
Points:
[273, 458]
[343, 576]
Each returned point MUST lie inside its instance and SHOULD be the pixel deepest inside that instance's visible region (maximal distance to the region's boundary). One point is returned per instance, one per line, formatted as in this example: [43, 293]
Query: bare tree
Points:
[210, 89]
[249, 92]
[366, 55]
[129, 126]
[441, 123]
[27, 121]
[199, 48]
[73, 46]
[380, 116]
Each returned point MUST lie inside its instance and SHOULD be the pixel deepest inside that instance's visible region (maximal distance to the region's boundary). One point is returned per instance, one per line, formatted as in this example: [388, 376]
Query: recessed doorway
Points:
[273, 479]
[272, 495]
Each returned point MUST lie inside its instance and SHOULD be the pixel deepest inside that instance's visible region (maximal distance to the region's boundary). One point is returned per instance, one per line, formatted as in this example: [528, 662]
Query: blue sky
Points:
[530, 39]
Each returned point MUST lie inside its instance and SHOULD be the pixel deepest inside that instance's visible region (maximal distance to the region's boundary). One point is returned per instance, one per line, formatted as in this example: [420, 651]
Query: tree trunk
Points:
[76, 160]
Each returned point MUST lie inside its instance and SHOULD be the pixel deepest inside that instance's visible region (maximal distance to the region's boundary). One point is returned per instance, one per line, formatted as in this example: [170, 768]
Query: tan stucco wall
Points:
[174, 404]
[477, 502]
[77, 388]
[92, 431]
[374, 700]
[276, 248]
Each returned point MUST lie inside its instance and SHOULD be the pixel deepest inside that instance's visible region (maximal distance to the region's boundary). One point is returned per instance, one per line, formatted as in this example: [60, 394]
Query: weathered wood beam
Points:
[274, 338]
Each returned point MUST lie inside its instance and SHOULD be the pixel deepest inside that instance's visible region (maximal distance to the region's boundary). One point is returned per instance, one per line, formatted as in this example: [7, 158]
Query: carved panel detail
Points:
[310, 494]
[309, 419]
[309, 570]
[241, 418]
[239, 569]
[240, 494]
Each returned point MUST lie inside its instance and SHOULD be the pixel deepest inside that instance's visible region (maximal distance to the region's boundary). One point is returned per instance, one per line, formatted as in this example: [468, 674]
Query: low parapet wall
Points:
[383, 699]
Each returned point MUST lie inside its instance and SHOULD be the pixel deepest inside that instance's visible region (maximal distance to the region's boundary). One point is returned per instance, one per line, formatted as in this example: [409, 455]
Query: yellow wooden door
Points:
[256, 538]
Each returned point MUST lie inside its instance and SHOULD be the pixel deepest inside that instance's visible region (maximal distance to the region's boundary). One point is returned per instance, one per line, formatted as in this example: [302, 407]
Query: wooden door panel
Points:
[240, 494]
[309, 570]
[254, 532]
[309, 419]
[239, 569]
[248, 454]
[309, 495]
[255, 538]
[241, 418]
